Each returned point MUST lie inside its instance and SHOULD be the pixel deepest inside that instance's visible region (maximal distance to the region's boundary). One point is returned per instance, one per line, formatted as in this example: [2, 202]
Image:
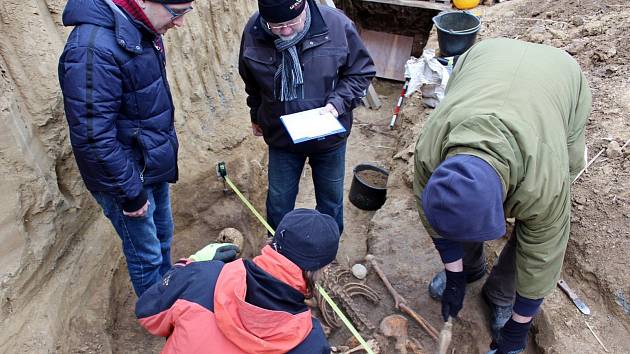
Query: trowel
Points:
[445, 336]
[573, 296]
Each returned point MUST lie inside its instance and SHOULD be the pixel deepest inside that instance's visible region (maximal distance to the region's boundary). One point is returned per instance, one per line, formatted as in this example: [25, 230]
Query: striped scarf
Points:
[289, 74]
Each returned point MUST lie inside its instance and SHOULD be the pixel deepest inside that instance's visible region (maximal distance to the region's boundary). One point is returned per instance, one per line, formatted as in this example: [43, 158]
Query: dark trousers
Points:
[500, 287]
[285, 170]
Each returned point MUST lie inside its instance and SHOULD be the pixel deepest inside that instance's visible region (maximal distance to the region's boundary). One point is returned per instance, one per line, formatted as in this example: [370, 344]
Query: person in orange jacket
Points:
[204, 305]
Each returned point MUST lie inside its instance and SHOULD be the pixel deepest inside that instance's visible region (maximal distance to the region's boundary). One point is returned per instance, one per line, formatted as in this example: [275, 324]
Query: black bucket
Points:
[364, 194]
[456, 32]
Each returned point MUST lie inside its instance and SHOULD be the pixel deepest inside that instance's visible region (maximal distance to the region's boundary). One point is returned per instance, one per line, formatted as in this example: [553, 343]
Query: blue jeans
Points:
[146, 241]
[285, 169]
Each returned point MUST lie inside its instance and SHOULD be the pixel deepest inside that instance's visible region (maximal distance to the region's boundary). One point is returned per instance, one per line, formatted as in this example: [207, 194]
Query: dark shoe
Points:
[499, 315]
[438, 283]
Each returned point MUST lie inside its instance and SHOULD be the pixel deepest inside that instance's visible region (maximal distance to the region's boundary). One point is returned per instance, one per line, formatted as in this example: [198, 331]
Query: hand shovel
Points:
[573, 296]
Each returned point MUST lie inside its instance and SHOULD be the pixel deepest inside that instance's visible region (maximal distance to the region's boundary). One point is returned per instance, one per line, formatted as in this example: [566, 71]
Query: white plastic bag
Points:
[427, 75]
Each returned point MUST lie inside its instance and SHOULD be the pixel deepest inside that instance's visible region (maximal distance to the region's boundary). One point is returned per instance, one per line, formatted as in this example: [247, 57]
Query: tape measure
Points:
[222, 173]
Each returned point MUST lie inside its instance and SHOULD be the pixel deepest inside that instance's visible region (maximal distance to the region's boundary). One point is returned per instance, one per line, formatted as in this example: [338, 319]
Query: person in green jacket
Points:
[506, 142]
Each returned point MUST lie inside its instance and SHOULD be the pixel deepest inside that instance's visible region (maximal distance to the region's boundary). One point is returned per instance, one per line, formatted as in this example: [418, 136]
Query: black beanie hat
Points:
[277, 11]
[171, 1]
[307, 238]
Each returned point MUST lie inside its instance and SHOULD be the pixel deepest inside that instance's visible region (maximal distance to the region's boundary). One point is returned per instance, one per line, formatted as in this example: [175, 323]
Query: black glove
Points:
[453, 296]
[513, 338]
[227, 253]
[224, 252]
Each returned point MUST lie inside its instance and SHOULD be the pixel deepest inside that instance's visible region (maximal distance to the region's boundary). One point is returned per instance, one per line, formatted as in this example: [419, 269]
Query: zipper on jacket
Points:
[162, 62]
[144, 155]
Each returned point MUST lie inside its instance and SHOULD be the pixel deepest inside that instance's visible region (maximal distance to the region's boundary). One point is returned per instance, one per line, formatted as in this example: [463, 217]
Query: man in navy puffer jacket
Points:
[120, 115]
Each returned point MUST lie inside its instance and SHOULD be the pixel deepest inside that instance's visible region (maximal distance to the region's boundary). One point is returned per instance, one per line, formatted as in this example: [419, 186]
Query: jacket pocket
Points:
[266, 56]
[160, 160]
[261, 62]
[321, 67]
[338, 53]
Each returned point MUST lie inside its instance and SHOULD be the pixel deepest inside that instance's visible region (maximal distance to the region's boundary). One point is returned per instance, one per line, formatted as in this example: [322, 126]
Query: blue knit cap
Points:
[463, 200]
[307, 238]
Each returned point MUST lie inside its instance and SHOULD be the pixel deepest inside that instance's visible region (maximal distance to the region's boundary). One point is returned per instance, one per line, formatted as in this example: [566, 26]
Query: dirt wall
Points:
[406, 21]
[595, 34]
[59, 256]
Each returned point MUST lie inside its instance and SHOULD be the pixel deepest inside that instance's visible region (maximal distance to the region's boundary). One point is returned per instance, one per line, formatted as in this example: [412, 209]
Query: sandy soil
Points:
[63, 283]
[61, 270]
[595, 33]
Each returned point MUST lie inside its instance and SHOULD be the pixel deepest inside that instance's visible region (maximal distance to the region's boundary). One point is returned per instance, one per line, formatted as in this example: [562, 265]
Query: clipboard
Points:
[308, 125]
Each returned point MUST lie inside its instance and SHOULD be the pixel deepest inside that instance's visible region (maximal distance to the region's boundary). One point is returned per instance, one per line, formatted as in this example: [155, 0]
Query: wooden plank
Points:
[389, 51]
[371, 99]
[439, 6]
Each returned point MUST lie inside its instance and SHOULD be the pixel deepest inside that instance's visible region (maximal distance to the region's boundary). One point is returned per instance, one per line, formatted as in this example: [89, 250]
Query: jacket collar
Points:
[281, 268]
[128, 31]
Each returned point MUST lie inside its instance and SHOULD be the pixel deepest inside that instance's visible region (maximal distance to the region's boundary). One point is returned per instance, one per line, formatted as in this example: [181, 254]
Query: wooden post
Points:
[371, 99]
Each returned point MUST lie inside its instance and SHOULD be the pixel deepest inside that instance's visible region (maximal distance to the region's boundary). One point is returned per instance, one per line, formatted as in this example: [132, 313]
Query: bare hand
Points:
[138, 213]
[256, 130]
[329, 108]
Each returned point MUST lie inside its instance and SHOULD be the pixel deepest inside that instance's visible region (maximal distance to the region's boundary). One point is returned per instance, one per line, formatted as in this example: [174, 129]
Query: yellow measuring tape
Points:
[321, 290]
[249, 205]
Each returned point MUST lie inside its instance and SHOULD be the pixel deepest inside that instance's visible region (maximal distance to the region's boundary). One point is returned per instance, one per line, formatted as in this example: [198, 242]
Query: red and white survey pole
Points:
[399, 104]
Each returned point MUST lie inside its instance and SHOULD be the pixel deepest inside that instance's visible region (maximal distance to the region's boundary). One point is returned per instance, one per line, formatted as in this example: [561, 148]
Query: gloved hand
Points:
[513, 338]
[453, 296]
[224, 252]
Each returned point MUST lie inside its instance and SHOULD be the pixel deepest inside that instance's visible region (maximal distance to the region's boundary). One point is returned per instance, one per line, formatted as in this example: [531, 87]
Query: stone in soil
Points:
[613, 150]
[359, 271]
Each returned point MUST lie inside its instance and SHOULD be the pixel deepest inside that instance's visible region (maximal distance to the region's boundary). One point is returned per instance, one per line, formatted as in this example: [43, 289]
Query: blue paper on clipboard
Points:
[311, 124]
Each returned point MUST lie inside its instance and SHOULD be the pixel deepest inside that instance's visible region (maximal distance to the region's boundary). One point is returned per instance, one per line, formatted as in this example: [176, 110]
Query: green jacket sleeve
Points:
[421, 176]
[541, 245]
[576, 141]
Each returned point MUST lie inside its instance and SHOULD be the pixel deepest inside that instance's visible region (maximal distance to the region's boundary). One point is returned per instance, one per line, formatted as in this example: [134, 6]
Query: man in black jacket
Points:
[297, 56]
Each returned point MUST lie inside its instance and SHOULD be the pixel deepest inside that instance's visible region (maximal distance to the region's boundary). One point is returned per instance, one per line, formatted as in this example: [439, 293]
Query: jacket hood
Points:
[94, 12]
[104, 13]
[255, 329]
